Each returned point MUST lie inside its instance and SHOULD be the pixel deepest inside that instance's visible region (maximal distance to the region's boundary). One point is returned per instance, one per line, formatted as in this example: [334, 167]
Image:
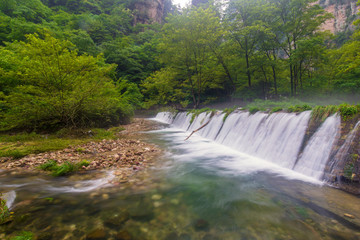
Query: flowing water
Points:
[200, 189]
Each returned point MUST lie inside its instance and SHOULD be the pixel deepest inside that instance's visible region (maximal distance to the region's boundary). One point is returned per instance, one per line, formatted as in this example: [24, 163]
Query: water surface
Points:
[199, 190]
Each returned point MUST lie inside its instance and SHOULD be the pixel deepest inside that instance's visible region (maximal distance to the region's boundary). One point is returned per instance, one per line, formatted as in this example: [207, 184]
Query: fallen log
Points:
[201, 127]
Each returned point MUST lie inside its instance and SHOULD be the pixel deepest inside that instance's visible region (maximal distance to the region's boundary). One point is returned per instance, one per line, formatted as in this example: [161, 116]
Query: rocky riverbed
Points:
[125, 155]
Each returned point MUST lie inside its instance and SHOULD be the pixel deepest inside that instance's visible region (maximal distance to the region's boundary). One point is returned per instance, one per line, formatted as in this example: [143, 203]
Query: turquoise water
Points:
[198, 190]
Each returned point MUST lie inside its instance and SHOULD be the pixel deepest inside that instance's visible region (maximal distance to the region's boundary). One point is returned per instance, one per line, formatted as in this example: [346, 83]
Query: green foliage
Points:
[320, 113]
[4, 211]
[59, 88]
[63, 169]
[49, 165]
[349, 168]
[348, 111]
[253, 110]
[23, 144]
[276, 109]
[196, 112]
[228, 111]
[299, 108]
[24, 235]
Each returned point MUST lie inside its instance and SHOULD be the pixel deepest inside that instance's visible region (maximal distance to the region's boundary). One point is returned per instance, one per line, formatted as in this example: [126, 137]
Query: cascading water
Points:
[276, 137]
[316, 153]
[337, 162]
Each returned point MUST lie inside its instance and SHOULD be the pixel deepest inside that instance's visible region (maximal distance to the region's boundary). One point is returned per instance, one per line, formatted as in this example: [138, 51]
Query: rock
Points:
[201, 225]
[156, 197]
[98, 233]
[184, 236]
[349, 216]
[123, 235]
[210, 237]
[118, 220]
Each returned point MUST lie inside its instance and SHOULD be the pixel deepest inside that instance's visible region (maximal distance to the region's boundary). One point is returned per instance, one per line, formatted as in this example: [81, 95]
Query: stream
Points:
[200, 189]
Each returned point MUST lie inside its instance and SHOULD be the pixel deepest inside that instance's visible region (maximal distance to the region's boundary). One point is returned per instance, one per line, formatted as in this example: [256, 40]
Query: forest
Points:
[92, 63]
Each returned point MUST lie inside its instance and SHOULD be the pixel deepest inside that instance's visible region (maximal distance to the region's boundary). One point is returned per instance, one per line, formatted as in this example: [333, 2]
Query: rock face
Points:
[344, 11]
[148, 11]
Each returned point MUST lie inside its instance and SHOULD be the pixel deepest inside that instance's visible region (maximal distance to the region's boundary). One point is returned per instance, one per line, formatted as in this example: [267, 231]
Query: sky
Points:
[181, 2]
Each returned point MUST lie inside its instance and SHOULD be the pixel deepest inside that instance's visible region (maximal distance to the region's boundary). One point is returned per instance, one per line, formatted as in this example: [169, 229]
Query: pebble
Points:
[349, 215]
[156, 197]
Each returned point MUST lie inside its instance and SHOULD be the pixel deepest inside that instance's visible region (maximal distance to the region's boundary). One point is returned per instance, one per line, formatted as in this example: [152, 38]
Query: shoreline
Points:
[127, 154]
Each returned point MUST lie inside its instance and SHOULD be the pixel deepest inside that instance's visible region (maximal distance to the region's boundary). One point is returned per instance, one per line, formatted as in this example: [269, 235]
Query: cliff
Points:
[148, 11]
[344, 11]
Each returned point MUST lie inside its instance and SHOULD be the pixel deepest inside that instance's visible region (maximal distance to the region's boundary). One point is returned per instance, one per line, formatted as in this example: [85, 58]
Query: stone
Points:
[123, 235]
[349, 216]
[118, 220]
[98, 233]
[201, 225]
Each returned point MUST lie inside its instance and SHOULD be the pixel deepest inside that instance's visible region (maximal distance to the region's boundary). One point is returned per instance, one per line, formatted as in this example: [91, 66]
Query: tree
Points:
[185, 47]
[298, 20]
[57, 87]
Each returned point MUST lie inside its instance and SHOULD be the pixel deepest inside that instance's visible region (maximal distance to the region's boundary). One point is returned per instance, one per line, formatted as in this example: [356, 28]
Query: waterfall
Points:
[337, 162]
[316, 153]
[275, 137]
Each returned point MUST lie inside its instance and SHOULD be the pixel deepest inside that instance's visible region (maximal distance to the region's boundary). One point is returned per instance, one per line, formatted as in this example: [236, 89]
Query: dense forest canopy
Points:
[75, 63]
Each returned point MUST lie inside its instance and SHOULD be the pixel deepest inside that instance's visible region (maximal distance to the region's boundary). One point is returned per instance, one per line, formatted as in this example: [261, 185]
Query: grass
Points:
[228, 111]
[63, 169]
[291, 105]
[4, 211]
[22, 144]
[197, 112]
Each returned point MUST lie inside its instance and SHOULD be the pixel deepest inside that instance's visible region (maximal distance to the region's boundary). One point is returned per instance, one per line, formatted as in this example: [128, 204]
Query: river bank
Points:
[126, 154]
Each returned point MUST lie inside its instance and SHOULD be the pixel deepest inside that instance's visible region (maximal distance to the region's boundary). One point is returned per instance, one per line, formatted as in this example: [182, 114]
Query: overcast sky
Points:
[181, 2]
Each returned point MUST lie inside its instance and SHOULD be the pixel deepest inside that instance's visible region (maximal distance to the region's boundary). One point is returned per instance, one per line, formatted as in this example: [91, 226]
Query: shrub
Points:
[57, 87]
[348, 111]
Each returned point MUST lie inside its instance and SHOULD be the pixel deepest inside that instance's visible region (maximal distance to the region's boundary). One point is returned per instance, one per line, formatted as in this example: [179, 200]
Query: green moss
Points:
[276, 109]
[228, 111]
[299, 108]
[24, 235]
[348, 111]
[22, 144]
[197, 112]
[253, 110]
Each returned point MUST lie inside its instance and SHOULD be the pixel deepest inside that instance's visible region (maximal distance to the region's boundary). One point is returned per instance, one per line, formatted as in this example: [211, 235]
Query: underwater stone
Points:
[201, 225]
[117, 220]
[98, 233]
[123, 235]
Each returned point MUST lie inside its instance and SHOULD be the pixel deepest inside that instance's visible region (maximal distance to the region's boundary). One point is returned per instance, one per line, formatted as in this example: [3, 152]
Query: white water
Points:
[86, 185]
[276, 138]
[9, 197]
[343, 150]
[317, 151]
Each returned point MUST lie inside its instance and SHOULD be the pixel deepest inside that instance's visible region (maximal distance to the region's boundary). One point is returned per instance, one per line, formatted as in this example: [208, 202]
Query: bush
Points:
[348, 111]
[57, 87]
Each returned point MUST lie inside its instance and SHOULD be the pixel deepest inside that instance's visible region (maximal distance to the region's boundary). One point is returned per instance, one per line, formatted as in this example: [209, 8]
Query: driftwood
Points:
[201, 127]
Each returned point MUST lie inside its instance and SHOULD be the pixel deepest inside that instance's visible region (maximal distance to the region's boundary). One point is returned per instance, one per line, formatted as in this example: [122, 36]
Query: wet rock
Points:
[123, 235]
[349, 216]
[118, 220]
[201, 225]
[210, 237]
[184, 236]
[171, 236]
[143, 212]
[45, 236]
[96, 234]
